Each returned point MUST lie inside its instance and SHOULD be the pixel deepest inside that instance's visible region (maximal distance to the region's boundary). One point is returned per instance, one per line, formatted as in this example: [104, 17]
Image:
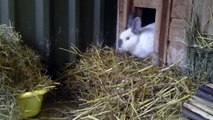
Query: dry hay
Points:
[8, 103]
[111, 86]
[20, 71]
[200, 51]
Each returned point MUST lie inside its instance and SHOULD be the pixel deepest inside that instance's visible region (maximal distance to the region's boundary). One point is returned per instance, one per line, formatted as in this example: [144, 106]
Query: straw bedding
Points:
[113, 86]
[20, 71]
[200, 51]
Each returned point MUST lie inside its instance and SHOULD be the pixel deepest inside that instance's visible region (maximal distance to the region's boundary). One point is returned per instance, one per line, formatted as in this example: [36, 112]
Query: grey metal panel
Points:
[109, 25]
[86, 20]
[42, 32]
[48, 25]
[98, 21]
[73, 25]
[25, 21]
[32, 21]
[7, 12]
[65, 30]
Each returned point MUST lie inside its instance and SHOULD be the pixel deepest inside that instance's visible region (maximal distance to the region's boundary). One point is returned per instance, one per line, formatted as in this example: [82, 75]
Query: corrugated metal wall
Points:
[47, 25]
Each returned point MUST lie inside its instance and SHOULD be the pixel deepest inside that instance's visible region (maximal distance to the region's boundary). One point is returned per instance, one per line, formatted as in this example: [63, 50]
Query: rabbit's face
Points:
[127, 40]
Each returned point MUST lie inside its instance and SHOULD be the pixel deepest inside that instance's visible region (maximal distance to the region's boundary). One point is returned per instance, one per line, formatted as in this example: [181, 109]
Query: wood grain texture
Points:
[147, 3]
[181, 9]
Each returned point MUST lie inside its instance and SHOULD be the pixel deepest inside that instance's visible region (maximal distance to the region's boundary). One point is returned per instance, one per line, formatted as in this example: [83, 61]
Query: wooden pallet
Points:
[200, 106]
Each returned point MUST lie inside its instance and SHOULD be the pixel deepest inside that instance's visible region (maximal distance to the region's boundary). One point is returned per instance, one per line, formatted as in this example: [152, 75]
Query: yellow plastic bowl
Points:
[30, 102]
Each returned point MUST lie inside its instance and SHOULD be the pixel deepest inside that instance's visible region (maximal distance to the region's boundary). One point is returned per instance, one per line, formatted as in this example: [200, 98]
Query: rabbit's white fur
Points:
[140, 43]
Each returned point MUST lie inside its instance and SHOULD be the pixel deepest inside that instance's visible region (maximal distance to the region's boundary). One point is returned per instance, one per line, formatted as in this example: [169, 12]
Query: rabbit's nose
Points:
[119, 43]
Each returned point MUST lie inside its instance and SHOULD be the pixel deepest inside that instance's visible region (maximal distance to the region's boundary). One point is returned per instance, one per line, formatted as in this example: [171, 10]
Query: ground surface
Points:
[56, 107]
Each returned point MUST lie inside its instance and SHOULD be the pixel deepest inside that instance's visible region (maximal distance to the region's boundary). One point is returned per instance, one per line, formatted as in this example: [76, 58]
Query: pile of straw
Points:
[111, 86]
[8, 104]
[200, 51]
[20, 71]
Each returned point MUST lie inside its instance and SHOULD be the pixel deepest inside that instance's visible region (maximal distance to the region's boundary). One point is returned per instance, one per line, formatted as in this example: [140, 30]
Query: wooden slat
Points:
[201, 105]
[206, 89]
[147, 3]
[164, 30]
[181, 9]
[198, 111]
[184, 118]
[158, 18]
[207, 103]
[204, 95]
[123, 12]
[210, 85]
[191, 115]
[124, 7]
[163, 13]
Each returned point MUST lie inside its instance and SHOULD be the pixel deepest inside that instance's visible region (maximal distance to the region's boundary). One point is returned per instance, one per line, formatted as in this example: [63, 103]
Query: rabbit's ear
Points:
[136, 25]
[131, 16]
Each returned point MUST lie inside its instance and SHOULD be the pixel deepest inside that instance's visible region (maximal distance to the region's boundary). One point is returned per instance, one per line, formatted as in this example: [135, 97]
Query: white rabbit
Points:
[137, 40]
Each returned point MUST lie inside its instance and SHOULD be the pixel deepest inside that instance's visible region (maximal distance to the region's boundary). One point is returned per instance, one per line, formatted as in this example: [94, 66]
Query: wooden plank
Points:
[198, 111]
[177, 46]
[164, 31]
[184, 118]
[177, 30]
[181, 9]
[118, 24]
[201, 106]
[122, 18]
[124, 6]
[158, 18]
[147, 3]
[163, 13]
[207, 103]
[191, 115]
[207, 89]
[203, 9]
[123, 12]
[210, 85]
[204, 95]
[176, 54]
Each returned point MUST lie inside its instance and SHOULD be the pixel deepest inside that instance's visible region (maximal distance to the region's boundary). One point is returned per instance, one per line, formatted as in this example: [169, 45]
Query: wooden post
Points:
[123, 10]
[164, 31]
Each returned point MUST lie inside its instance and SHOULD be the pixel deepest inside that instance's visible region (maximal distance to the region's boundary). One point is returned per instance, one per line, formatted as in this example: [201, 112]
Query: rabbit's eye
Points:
[127, 38]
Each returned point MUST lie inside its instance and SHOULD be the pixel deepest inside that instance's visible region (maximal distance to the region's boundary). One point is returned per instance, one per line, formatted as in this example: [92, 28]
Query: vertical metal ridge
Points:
[98, 21]
[7, 12]
[73, 24]
[42, 27]
[39, 20]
